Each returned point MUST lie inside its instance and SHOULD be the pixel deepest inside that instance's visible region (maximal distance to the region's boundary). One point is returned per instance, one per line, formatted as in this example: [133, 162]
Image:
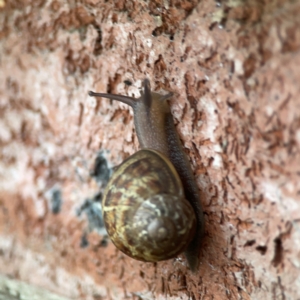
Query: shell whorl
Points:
[144, 209]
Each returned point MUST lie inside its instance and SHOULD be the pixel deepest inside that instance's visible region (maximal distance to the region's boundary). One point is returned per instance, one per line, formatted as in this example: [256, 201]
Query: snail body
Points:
[163, 169]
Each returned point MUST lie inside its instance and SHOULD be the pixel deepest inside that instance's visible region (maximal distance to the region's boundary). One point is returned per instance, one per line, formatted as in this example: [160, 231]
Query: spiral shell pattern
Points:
[144, 209]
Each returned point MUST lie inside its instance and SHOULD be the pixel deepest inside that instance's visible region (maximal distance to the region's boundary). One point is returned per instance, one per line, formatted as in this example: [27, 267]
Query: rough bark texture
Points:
[235, 69]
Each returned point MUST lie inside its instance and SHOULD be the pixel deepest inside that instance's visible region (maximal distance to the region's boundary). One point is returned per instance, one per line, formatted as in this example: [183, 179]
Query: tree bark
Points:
[234, 69]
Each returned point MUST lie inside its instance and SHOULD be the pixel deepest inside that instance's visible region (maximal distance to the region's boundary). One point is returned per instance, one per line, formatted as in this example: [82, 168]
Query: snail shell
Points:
[144, 209]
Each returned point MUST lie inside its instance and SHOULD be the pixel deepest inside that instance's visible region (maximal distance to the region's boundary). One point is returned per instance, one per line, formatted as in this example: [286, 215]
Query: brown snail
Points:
[151, 204]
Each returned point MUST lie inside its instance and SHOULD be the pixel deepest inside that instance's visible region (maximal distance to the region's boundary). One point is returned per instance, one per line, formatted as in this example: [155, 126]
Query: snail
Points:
[151, 206]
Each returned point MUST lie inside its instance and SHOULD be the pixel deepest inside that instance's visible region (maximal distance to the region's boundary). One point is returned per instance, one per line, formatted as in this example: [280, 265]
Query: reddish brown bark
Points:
[234, 68]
